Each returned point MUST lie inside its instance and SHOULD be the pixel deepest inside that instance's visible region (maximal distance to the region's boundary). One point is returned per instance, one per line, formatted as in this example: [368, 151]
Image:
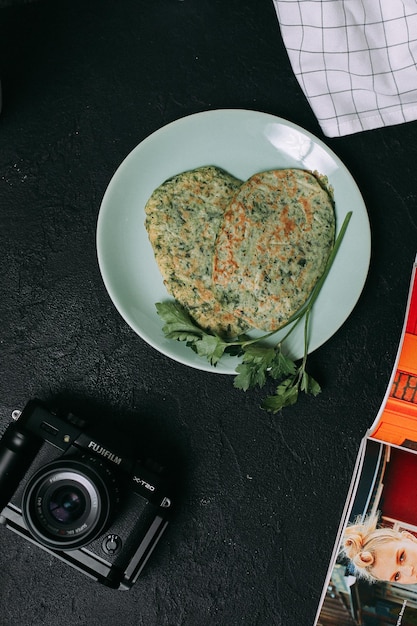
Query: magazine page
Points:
[396, 421]
[373, 581]
[373, 574]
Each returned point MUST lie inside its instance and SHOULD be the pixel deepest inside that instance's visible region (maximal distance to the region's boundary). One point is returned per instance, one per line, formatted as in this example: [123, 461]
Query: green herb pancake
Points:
[273, 245]
[182, 219]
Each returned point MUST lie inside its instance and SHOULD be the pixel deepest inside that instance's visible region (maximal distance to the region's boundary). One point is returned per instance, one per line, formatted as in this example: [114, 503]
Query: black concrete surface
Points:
[259, 495]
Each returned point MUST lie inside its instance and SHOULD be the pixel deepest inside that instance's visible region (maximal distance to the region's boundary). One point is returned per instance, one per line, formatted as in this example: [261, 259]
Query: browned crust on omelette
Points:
[272, 246]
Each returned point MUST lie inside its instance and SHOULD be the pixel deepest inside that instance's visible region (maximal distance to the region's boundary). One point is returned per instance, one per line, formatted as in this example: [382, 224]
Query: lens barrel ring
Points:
[69, 502]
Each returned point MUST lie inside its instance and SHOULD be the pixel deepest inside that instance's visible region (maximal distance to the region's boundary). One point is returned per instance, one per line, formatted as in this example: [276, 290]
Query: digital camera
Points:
[89, 502]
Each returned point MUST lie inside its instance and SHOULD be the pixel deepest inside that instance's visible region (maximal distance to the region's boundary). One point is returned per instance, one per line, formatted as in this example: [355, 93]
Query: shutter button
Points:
[111, 544]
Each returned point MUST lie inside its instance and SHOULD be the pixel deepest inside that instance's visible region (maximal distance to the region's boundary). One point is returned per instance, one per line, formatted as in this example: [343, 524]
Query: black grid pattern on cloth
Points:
[355, 60]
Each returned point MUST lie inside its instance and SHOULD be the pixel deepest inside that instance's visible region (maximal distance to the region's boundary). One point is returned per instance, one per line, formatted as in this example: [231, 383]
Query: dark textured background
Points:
[84, 81]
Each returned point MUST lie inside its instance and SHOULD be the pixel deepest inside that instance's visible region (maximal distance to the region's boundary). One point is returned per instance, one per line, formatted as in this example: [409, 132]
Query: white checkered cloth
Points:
[355, 60]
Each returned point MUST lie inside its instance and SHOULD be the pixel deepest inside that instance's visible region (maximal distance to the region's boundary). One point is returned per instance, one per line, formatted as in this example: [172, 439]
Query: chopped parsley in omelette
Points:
[273, 245]
[239, 255]
[183, 216]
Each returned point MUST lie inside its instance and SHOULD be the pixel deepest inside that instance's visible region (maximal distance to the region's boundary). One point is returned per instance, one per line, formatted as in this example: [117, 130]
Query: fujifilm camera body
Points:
[90, 503]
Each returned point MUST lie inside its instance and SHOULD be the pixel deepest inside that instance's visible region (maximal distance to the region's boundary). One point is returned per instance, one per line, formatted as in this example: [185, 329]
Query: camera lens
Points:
[69, 502]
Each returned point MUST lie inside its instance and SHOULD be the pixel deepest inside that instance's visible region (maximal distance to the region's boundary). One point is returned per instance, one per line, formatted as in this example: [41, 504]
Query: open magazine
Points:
[384, 486]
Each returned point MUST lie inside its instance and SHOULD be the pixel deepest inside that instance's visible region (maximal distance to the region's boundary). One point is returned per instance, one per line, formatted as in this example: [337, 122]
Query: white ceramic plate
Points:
[243, 143]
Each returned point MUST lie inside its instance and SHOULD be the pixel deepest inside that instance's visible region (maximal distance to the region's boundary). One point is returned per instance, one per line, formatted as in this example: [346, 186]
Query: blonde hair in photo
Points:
[361, 541]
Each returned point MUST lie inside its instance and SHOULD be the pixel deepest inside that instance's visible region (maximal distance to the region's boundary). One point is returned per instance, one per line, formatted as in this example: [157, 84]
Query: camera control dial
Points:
[112, 544]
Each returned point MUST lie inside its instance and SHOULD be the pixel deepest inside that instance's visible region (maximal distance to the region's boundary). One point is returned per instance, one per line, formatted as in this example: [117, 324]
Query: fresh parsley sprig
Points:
[259, 361]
